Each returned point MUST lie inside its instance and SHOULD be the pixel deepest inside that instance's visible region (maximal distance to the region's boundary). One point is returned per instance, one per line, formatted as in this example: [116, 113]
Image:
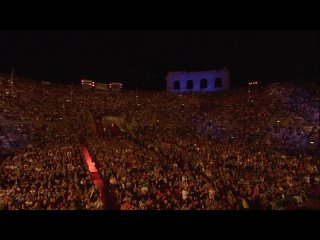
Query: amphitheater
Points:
[68, 148]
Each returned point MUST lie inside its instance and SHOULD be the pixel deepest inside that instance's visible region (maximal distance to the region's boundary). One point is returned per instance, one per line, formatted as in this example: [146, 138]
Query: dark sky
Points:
[144, 57]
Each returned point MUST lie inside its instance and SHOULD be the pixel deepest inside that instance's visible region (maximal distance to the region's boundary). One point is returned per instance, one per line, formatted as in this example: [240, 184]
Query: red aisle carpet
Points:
[95, 175]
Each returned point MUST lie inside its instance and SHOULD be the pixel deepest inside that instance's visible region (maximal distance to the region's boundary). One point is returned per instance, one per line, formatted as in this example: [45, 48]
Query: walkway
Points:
[95, 175]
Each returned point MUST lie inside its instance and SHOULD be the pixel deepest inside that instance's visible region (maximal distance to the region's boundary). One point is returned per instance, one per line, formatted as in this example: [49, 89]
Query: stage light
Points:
[278, 121]
[311, 142]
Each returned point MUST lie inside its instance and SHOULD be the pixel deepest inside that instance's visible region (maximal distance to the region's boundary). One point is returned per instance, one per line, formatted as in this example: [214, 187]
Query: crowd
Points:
[15, 135]
[189, 151]
[161, 170]
[51, 176]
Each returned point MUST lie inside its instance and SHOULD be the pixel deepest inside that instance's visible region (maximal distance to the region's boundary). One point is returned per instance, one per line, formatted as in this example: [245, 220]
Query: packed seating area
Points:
[223, 151]
[48, 176]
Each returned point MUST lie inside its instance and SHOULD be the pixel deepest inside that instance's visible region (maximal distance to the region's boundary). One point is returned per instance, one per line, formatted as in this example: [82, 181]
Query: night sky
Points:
[144, 57]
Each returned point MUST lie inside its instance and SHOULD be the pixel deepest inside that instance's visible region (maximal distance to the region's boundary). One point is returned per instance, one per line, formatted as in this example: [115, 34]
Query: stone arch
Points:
[218, 82]
[176, 85]
[203, 83]
[189, 84]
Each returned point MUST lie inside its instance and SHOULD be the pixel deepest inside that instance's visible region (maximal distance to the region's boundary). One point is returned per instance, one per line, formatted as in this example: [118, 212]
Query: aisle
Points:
[95, 175]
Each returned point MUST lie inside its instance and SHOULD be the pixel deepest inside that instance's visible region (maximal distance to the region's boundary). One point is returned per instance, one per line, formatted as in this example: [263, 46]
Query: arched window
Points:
[218, 83]
[203, 83]
[176, 85]
[189, 84]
